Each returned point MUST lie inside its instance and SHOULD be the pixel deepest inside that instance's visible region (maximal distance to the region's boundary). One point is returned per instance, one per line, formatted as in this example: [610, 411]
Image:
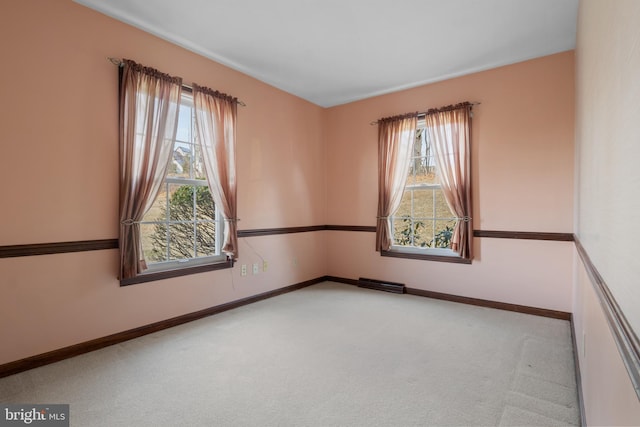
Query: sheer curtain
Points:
[449, 133]
[395, 140]
[149, 106]
[215, 115]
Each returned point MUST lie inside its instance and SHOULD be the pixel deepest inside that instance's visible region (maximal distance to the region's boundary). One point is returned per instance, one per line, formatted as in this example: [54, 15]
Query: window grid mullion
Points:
[433, 223]
[195, 238]
[167, 218]
[193, 145]
[193, 175]
[412, 223]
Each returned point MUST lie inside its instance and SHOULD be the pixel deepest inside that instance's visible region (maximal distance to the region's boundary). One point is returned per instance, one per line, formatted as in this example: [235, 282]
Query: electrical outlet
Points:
[243, 270]
[264, 265]
[255, 268]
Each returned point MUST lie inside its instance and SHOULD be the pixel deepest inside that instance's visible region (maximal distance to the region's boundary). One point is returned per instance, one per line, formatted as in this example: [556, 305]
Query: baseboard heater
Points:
[381, 285]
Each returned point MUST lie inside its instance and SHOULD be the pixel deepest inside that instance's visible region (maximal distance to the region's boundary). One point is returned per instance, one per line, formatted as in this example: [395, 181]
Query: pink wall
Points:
[607, 390]
[60, 118]
[607, 202]
[60, 179]
[522, 159]
[60, 162]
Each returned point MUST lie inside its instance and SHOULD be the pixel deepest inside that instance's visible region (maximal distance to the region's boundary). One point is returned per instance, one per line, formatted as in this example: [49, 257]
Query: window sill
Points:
[415, 254]
[177, 272]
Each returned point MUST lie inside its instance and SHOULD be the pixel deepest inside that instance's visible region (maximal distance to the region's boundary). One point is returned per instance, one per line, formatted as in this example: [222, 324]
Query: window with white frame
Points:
[183, 227]
[423, 222]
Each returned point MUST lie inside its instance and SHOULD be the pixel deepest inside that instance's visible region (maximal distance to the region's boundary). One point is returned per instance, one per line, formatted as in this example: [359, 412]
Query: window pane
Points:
[423, 233]
[430, 175]
[181, 238]
[424, 218]
[181, 202]
[404, 209]
[443, 234]
[181, 224]
[154, 241]
[184, 124]
[414, 165]
[206, 239]
[198, 163]
[205, 209]
[402, 231]
[420, 170]
[158, 211]
[423, 203]
[180, 165]
[442, 208]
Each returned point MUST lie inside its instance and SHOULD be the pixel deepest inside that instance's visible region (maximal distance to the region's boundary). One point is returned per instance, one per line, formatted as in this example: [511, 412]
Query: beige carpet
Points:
[327, 355]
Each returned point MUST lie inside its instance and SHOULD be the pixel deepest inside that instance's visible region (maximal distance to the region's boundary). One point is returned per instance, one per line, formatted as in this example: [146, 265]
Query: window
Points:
[183, 226]
[174, 148]
[424, 222]
[424, 211]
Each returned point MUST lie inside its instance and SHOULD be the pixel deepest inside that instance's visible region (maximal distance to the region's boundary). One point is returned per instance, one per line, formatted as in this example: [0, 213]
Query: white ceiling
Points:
[332, 52]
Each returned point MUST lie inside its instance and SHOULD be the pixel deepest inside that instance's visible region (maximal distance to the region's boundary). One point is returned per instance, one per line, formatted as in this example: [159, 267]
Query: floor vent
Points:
[380, 285]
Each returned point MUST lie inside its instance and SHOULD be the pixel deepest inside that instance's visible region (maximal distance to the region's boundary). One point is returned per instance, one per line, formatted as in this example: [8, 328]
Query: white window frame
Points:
[423, 186]
[159, 266]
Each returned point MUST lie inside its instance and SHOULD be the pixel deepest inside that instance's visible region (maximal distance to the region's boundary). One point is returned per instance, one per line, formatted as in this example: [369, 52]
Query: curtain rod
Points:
[424, 113]
[119, 63]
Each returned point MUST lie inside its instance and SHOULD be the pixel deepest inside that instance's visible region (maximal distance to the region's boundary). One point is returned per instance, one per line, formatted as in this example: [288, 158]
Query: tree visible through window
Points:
[423, 219]
[183, 223]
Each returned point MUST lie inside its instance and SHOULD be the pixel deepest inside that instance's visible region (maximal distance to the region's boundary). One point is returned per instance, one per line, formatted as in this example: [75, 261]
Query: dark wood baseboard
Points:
[576, 364]
[492, 304]
[472, 301]
[98, 343]
[32, 362]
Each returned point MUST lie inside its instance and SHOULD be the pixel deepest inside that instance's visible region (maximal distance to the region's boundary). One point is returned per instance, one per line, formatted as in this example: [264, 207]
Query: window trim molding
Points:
[32, 249]
[409, 250]
[177, 272]
[182, 263]
[425, 257]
